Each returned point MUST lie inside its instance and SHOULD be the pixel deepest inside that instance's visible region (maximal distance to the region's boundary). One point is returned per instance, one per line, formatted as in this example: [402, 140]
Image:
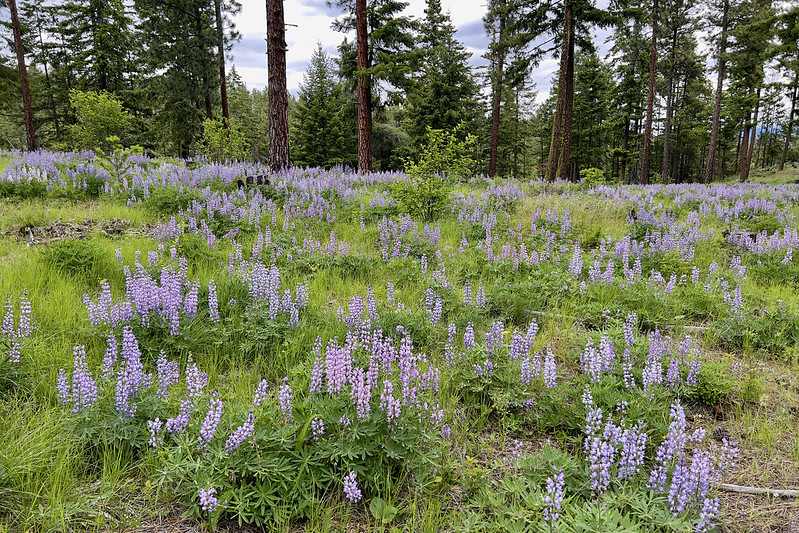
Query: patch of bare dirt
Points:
[58, 230]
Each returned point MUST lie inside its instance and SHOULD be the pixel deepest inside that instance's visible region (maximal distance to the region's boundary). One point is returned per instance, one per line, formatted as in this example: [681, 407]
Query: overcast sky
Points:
[313, 18]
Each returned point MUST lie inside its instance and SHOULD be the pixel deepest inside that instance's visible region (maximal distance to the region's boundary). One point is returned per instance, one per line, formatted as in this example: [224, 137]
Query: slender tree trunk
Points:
[278, 93]
[722, 61]
[364, 89]
[753, 136]
[23, 77]
[564, 169]
[650, 98]
[557, 122]
[666, 168]
[496, 99]
[790, 123]
[625, 145]
[220, 43]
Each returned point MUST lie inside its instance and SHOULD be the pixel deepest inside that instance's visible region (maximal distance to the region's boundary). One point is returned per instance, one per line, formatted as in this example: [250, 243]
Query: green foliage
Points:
[170, 199]
[444, 159]
[220, 143]
[80, 258]
[98, 117]
[594, 176]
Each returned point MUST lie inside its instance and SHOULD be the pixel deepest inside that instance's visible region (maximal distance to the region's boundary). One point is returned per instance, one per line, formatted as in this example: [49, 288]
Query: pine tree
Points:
[787, 54]
[22, 70]
[319, 131]
[278, 93]
[445, 94]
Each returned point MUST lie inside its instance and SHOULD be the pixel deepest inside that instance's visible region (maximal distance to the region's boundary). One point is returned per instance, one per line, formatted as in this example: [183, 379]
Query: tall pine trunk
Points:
[220, 43]
[557, 123]
[625, 145]
[23, 77]
[364, 89]
[564, 168]
[496, 100]
[753, 136]
[722, 61]
[666, 168]
[277, 91]
[790, 122]
[650, 98]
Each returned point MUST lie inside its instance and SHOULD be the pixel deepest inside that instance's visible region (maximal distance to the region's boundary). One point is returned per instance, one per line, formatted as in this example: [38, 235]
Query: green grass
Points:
[52, 477]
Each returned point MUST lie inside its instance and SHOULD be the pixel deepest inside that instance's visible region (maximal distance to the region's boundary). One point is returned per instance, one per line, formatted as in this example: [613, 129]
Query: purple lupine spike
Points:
[317, 428]
[241, 434]
[196, 381]
[208, 502]
[211, 421]
[154, 426]
[556, 492]
[285, 396]
[213, 303]
[550, 371]
[390, 405]
[168, 375]
[8, 318]
[84, 388]
[111, 355]
[261, 392]
[351, 490]
[62, 388]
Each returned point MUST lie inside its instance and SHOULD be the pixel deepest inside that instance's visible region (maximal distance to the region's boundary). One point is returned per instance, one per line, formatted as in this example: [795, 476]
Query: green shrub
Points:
[98, 116]
[80, 258]
[444, 159]
[220, 143]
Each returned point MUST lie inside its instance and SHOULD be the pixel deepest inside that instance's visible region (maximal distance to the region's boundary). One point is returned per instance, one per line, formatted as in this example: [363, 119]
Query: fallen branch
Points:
[755, 490]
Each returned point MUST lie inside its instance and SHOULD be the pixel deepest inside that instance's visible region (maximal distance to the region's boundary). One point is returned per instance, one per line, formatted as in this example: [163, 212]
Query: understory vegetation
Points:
[335, 351]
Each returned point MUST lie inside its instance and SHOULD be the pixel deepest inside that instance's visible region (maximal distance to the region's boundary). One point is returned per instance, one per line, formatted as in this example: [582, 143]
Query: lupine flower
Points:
[211, 421]
[62, 388]
[111, 354]
[390, 405]
[180, 423]
[213, 304]
[707, 516]
[317, 428]
[550, 372]
[556, 492]
[241, 434]
[285, 396]
[196, 381]
[480, 302]
[154, 426]
[468, 337]
[632, 451]
[208, 502]
[260, 393]
[168, 375]
[351, 490]
[84, 388]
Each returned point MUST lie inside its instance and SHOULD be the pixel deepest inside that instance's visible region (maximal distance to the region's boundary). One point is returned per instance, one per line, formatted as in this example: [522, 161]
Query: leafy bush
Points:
[444, 159]
[220, 143]
[98, 116]
[594, 176]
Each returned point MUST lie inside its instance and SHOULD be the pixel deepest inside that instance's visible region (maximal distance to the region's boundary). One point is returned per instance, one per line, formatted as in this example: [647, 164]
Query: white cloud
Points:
[309, 22]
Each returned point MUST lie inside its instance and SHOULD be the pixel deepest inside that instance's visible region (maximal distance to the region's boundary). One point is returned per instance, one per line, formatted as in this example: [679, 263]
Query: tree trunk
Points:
[278, 93]
[364, 90]
[220, 43]
[650, 98]
[625, 145]
[753, 136]
[496, 100]
[790, 123]
[557, 122]
[564, 170]
[666, 169]
[722, 61]
[23, 77]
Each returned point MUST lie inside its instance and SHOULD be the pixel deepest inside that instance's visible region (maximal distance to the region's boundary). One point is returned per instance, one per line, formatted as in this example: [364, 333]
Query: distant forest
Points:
[687, 92]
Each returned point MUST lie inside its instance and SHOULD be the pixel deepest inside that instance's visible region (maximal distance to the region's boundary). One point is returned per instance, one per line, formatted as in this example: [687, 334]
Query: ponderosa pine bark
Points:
[496, 101]
[790, 123]
[278, 92]
[564, 168]
[364, 89]
[722, 64]
[30, 130]
[650, 98]
[557, 122]
[220, 43]
[666, 168]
